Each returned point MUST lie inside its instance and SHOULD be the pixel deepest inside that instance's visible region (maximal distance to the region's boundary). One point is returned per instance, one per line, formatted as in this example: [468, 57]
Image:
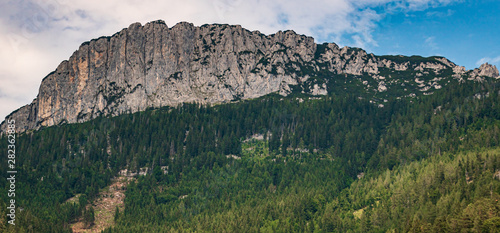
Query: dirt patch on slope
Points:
[104, 206]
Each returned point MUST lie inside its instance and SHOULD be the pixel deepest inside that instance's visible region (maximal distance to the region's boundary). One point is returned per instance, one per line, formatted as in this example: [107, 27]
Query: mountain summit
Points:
[154, 65]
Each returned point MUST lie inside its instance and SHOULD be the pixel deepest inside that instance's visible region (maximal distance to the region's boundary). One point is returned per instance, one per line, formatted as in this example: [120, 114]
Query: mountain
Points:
[316, 138]
[153, 66]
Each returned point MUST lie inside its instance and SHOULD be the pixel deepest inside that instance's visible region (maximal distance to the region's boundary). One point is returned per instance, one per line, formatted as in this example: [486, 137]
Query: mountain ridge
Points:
[153, 66]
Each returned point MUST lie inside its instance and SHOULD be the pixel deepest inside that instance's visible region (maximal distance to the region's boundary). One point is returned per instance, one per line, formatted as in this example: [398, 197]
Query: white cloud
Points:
[431, 43]
[35, 35]
[440, 14]
[493, 61]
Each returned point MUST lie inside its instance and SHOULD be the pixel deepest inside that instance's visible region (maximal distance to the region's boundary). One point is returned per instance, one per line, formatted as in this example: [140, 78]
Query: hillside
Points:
[206, 173]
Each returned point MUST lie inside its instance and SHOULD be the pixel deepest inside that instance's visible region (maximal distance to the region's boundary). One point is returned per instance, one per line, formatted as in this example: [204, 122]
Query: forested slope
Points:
[428, 164]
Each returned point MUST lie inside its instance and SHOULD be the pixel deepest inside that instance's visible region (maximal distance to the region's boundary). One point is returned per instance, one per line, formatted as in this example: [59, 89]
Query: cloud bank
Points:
[36, 35]
[493, 61]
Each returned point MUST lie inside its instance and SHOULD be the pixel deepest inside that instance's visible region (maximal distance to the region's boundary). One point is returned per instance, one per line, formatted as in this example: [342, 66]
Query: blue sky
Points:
[36, 35]
[465, 32]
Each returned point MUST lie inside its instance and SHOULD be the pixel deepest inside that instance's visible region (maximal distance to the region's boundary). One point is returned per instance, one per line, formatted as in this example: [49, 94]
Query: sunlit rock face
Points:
[154, 66]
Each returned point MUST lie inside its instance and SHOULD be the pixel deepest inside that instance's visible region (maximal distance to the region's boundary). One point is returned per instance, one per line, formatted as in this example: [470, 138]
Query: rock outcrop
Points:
[485, 70]
[154, 65]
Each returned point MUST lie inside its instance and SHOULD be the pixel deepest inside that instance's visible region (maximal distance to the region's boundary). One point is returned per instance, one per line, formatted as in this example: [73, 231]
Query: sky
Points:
[36, 35]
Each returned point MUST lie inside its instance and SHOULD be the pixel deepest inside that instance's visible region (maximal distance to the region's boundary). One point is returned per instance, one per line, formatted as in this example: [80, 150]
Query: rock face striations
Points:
[154, 65]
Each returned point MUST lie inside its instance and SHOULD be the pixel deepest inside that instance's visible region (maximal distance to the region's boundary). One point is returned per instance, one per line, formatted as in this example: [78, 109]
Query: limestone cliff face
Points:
[154, 65]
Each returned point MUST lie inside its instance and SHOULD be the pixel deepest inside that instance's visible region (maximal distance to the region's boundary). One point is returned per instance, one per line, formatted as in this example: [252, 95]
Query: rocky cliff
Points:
[154, 65]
